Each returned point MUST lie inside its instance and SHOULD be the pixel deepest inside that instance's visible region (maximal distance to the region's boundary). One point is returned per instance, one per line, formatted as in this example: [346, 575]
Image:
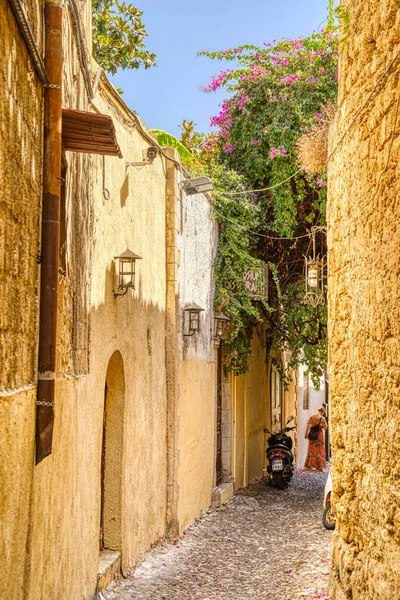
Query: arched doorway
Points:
[112, 455]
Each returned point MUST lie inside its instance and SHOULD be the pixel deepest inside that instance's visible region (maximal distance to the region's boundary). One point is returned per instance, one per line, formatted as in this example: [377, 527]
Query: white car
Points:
[328, 518]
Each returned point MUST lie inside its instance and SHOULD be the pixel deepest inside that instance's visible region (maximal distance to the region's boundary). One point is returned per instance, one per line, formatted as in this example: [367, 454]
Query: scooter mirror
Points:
[291, 418]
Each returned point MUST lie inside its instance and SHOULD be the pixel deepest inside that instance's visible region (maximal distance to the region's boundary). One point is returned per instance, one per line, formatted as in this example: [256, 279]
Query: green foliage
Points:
[298, 329]
[118, 34]
[236, 255]
[191, 138]
[276, 93]
[167, 140]
[338, 19]
[336, 570]
[236, 248]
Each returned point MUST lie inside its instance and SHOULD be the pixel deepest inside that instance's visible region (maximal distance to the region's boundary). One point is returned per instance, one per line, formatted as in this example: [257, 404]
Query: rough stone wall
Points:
[77, 215]
[364, 305]
[20, 205]
[65, 523]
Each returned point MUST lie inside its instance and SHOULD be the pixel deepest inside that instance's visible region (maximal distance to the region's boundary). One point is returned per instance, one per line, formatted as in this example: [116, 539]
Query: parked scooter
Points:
[280, 456]
[328, 517]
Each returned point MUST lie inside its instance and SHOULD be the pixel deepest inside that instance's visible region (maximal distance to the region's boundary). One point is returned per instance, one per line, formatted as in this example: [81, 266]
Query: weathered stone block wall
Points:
[364, 305]
[20, 205]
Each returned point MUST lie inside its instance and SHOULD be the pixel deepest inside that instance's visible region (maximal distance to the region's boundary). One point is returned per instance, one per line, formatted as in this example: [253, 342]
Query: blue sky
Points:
[178, 29]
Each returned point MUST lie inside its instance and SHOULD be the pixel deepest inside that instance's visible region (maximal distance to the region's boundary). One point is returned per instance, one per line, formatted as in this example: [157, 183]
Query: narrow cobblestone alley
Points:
[265, 543]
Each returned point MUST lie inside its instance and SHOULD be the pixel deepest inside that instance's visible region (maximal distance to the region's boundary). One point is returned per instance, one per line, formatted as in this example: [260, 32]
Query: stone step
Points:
[109, 568]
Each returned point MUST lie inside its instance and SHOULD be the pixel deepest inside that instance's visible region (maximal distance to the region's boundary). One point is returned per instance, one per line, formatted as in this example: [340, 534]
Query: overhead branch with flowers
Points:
[278, 95]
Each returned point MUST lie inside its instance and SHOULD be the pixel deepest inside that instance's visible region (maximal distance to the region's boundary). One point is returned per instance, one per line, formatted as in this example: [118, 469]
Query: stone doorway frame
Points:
[223, 434]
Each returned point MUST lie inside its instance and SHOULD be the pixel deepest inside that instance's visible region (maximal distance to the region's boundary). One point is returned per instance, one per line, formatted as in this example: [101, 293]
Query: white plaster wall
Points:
[316, 399]
[197, 245]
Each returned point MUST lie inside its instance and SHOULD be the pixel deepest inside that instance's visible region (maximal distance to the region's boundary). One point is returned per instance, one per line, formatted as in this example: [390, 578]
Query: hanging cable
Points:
[262, 235]
[272, 187]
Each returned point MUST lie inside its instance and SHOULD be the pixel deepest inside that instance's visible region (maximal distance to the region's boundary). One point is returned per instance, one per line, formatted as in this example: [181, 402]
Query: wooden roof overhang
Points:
[88, 132]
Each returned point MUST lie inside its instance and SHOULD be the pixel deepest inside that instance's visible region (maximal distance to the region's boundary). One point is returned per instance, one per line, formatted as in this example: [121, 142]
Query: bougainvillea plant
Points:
[277, 93]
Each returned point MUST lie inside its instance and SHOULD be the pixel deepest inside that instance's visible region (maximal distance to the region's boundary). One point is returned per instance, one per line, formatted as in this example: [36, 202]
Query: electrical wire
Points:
[272, 187]
[262, 235]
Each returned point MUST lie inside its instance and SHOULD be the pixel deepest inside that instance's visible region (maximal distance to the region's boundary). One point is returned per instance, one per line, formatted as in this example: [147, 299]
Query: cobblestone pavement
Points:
[265, 543]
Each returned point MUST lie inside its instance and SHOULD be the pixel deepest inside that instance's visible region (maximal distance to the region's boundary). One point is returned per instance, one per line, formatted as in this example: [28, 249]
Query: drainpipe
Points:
[50, 229]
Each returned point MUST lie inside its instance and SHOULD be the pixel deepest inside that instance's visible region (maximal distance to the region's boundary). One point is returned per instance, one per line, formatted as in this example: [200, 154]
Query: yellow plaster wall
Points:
[64, 543]
[196, 438]
[239, 432]
[257, 397]
[364, 306]
[17, 434]
[250, 399]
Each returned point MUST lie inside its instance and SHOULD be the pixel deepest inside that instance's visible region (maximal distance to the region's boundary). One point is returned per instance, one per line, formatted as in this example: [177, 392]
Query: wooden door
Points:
[276, 399]
[218, 466]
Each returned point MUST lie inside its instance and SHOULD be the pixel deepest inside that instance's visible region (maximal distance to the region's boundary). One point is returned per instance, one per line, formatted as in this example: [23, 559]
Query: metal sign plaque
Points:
[256, 281]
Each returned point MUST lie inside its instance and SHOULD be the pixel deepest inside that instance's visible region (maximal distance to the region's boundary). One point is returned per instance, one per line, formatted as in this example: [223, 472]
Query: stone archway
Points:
[112, 455]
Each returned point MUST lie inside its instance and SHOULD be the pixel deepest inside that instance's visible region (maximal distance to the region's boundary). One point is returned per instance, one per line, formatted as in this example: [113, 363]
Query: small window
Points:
[306, 392]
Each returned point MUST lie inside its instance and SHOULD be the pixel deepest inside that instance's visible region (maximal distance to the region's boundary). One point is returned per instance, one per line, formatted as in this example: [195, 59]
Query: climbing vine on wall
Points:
[277, 93]
[236, 255]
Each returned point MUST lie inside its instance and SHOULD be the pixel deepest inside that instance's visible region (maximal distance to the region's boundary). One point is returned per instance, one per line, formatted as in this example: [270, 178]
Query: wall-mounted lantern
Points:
[315, 281]
[313, 274]
[126, 263]
[221, 323]
[314, 270]
[198, 185]
[193, 319]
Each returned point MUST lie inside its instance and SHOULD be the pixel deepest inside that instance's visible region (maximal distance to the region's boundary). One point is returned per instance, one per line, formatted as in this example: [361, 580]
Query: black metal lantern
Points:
[221, 323]
[315, 276]
[126, 263]
[315, 281]
[193, 319]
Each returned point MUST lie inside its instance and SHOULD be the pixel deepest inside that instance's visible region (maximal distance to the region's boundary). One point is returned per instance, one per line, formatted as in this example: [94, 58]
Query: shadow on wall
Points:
[124, 191]
[106, 477]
